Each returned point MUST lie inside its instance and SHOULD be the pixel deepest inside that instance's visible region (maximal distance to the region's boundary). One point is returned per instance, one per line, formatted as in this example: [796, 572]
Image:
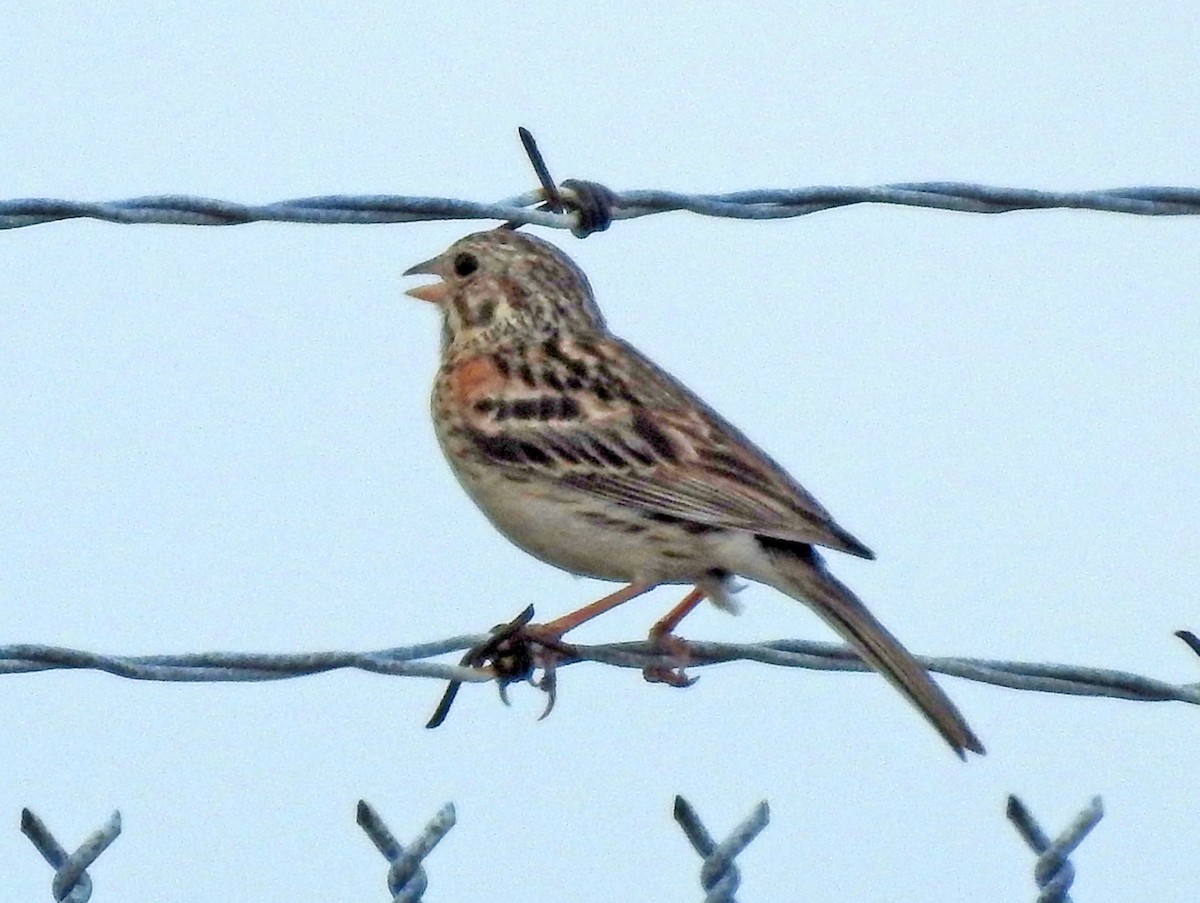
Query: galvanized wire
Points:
[719, 875]
[71, 883]
[411, 661]
[583, 207]
[768, 203]
[1053, 871]
[406, 878]
[240, 666]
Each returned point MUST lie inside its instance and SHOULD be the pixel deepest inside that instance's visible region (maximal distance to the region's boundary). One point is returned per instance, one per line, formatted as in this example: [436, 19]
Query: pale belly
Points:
[589, 537]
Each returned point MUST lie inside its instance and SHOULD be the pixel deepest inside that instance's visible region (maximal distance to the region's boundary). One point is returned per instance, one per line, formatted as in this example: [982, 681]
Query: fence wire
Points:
[583, 207]
[720, 877]
[767, 203]
[1053, 871]
[71, 882]
[406, 878]
[412, 661]
[719, 874]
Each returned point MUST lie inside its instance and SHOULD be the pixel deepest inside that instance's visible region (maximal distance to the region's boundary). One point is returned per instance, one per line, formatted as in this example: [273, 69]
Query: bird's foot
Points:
[512, 652]
[546, 650]
[508, 653]
[677, 650]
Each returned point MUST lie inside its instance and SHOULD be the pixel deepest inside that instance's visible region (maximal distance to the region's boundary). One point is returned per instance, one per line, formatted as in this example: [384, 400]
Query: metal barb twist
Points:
[503, 653]
[591, 202]
[1053, 871]
[719, 875]
[406, 877]
[554, 200]
[1192, 641]
[72, 883]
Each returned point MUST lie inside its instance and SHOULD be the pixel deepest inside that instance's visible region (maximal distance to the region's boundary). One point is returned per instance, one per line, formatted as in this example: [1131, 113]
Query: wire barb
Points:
[406, 879]
[554, 200]
[1053, 871]
[719, 875]
[1192, 641]
[71, 883]
[591, 202]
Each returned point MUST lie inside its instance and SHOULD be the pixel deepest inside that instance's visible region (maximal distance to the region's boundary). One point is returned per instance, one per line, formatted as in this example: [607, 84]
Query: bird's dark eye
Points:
[465, 264]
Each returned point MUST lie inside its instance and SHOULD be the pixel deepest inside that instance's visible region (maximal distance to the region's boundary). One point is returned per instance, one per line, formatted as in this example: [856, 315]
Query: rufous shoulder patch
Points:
[475, 378]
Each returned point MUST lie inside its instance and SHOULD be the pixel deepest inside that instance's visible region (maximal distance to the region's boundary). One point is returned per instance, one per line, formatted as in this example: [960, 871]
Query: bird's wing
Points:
[599, 416]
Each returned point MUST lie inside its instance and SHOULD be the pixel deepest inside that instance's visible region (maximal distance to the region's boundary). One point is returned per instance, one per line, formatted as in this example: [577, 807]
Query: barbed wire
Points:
[1053, 871]
[584, 207]
[767, 203]
[413, 661]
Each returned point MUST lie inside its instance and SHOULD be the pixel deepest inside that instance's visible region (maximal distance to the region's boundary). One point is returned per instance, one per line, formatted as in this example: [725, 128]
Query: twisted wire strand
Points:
[406, 878]
[753, 204]
[719, 874]
[412, 661]
[71, 882]
[1053, 871]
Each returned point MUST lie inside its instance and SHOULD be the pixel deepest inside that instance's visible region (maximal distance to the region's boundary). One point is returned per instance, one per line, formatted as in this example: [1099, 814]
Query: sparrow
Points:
[586, 454]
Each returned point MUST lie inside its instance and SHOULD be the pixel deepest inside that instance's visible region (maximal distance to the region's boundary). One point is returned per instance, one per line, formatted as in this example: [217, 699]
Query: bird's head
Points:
[504, 285]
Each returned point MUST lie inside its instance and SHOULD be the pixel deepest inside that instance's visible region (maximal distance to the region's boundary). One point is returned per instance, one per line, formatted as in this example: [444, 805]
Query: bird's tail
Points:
[803, 575]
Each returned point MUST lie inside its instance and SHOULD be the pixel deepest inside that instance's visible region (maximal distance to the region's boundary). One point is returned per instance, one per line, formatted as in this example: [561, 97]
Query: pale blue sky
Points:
[219, 439]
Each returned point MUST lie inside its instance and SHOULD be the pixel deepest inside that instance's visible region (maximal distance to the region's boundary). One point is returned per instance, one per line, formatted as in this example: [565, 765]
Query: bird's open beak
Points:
[435, 292]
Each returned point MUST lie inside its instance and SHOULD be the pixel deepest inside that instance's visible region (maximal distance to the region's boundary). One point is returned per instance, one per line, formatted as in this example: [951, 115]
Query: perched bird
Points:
[586, 454]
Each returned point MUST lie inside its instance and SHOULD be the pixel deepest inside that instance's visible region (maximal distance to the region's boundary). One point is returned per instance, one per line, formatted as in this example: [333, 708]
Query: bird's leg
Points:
[549, 635]
[553, 630]
[665, 626]
[662, 635]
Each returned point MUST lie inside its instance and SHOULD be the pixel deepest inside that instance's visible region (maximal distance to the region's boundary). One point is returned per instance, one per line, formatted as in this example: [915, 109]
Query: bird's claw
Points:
[549, 685]
[511, 652]
[506, 651]
[675, 648]
[661, 674]
[519, 648]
